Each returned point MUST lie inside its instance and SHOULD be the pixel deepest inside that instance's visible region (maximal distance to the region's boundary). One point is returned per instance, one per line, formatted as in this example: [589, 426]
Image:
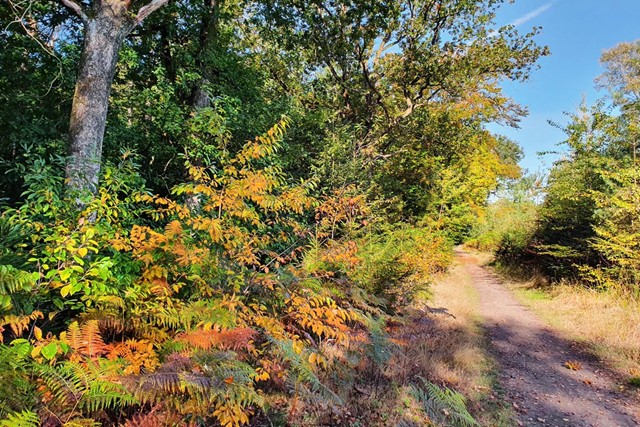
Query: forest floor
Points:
[543, 378]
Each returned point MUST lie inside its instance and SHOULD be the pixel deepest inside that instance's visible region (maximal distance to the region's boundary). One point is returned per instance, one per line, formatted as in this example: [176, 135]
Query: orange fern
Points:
[85, 340]
[233, 339]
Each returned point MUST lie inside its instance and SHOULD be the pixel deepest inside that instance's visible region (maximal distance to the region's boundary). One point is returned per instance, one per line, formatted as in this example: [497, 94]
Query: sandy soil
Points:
[531, 358]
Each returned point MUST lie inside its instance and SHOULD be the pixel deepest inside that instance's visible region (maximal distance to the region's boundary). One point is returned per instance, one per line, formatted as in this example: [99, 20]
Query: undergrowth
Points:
[239, 298]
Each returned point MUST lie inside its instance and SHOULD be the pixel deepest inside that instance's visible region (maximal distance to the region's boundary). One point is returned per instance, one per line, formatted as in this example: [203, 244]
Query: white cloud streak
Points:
[531, 15]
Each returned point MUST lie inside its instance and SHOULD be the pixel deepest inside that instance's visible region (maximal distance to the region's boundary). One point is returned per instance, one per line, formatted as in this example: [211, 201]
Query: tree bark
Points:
[103, 36]
[105, 28]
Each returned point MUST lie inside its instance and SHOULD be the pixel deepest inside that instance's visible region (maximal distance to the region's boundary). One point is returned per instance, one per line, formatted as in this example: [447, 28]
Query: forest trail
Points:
[530, 357]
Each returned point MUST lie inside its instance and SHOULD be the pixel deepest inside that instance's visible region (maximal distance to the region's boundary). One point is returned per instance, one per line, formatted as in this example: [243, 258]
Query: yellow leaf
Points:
[574, 365]
[82, 252]
[35, 352]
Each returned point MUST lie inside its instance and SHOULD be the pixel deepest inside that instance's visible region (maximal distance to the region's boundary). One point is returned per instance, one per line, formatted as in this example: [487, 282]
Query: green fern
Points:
[206, 311]
[380, 348]
[301, 371]
[83, 387]
[443, 406]
[13, 280]
[82, 422]
[17, 391]
[11, 235]
[21, 419]
[185, 316]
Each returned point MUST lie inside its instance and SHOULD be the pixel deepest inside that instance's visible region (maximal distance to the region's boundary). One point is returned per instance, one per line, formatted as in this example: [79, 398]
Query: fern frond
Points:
[233, 339]
[108, 322]
[443, 405]
[207, 311]
[17, 391]
[380, 348]
[86, 340]
[13, 280]
[21, 419]
[302, 370]
[82, 422]
[177, 376]
[225, 369]
[196, 384]
[87, 387]
[166, 317]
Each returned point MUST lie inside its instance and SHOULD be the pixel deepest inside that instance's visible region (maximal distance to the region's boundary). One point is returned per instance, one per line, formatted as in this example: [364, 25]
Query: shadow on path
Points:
[531, 358]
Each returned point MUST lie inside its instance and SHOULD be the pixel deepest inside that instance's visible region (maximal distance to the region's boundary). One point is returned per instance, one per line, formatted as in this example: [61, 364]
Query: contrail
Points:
[529, 16]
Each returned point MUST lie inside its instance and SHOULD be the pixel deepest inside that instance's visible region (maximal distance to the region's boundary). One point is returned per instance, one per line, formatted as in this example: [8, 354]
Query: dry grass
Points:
[606, 322]
[455, 358]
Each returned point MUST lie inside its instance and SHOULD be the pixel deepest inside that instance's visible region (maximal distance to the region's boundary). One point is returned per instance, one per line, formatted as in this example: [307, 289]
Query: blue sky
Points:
[576, 32]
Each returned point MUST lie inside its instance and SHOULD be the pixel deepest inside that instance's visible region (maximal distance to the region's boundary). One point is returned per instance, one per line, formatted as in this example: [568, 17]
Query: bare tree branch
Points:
[149, 8]
[77, 9]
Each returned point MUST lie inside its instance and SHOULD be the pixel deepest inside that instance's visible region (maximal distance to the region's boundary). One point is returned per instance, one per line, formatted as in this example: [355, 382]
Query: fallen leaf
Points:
[574, 365]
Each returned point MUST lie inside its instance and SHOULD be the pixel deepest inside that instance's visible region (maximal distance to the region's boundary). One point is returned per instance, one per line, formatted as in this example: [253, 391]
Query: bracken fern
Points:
[443, 406]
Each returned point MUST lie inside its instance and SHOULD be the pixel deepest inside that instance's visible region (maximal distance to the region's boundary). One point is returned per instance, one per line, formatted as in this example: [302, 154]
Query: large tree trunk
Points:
[103, 36]
[105, 28]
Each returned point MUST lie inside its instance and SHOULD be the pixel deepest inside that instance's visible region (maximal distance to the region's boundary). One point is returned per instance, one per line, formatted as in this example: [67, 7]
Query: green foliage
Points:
[303, 372]
[509, 223]
[136, 294]
[443, 406]
[622, 65]
[380, 349]
[567, 214]
[17, 391]
[561, 243]
[617, 232]
[21, 419]
[79, 390]
[398, 263]
[445, 169]
[14, 282]
[36, 81]
[634, 382]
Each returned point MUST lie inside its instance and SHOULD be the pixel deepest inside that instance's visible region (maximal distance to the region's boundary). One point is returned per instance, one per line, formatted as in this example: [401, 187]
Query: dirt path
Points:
[531, 360]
